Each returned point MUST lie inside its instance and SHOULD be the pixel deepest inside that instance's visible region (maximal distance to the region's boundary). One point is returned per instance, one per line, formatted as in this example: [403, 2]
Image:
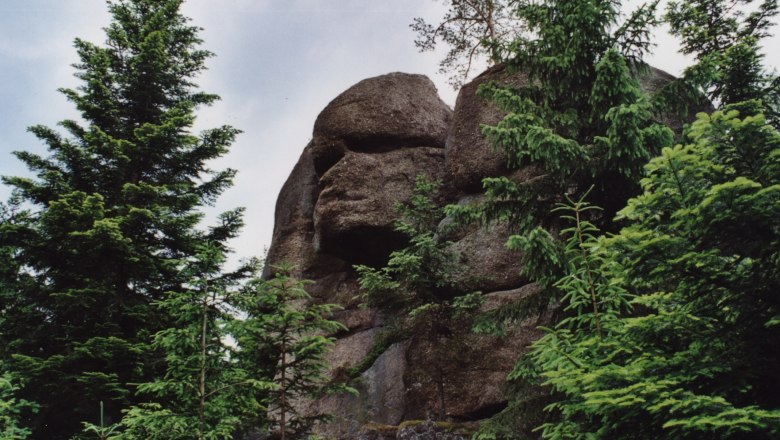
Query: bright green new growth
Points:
[698, 357]
[582, 122]
[591, 300]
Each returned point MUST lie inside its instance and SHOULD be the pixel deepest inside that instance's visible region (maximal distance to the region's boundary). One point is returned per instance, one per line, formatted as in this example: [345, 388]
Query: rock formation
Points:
[337, 210]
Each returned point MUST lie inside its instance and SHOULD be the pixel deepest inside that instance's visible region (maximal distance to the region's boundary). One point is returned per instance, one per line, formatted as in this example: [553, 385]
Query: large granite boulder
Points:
[469, 157]
[393, 127]
[397, 110]
[337, 209]
[652, 81]
[355, 213]
[292, 240]
[488, 265]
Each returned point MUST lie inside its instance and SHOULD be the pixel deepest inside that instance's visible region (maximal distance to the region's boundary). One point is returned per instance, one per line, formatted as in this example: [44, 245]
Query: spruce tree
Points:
[582, 122]
[418, 290]
[682, 337]
[287, 326]
[115, 210]
[204, 393]
[725, 41]
[670, 323]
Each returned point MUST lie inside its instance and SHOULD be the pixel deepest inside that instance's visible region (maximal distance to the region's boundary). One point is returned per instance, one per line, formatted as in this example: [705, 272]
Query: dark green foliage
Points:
[668, 329]
[581, 122]
[14, 280]
[285, 325]
[724, 36]
[582, 118]
[413, 276]
[114, 215]
[699, 355]
[204, 393]
[417, 289]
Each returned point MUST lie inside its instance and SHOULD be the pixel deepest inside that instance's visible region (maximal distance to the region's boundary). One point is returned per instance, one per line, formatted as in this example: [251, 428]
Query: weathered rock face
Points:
[355, 211]
[488, 264]
[418, 430]
[388, 112]
[293, 235]
[337, 210]
[381, 397]
[470, 157]
[377, 136]
[653, 81]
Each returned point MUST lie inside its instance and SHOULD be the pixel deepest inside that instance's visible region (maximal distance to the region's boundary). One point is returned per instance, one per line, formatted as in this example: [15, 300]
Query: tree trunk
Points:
[440, 394]
[282, 398]
[202, 379]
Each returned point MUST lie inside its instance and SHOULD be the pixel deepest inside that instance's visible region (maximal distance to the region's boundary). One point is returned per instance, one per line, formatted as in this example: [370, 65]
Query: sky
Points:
[278, 63]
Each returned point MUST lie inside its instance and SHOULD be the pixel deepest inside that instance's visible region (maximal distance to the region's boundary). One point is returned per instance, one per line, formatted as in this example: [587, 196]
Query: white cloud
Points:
[278, 63]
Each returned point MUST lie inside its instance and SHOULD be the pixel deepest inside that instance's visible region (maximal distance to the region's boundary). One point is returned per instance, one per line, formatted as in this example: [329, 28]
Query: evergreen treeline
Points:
[117, 314]
[658, 252]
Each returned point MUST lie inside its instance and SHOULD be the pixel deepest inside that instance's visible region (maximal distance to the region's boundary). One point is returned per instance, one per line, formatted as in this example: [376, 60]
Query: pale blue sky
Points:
[278, 63]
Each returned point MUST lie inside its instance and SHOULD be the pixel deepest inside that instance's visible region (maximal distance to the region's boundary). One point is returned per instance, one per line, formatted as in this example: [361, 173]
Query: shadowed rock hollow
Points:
[337, 210]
